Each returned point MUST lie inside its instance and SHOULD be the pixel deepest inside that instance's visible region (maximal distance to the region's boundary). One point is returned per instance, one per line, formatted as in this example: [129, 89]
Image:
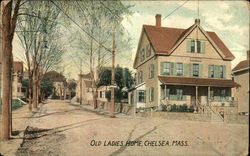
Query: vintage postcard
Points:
[124, 78]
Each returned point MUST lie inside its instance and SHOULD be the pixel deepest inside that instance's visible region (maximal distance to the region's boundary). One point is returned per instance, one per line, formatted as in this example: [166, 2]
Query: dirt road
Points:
[60, 128]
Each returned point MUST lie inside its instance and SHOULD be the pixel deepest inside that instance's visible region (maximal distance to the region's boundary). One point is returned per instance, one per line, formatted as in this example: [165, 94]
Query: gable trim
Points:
[206, 35]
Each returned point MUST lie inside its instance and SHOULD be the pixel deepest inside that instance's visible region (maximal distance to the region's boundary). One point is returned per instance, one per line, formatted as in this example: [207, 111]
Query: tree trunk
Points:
[6, 69]
[35, 89]
[30, 93]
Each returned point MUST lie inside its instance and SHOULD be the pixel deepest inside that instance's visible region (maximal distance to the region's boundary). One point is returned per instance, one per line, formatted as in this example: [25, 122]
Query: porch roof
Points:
[191, 81]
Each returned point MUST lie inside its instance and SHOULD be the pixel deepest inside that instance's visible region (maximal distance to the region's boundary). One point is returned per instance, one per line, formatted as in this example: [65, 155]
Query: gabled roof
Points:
[163, 39]
[241, 66]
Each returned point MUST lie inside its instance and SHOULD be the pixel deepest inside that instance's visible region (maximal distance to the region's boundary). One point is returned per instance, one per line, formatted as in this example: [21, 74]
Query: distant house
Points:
[86, 81]
[59, 83]
[241, 76]
[17, 90]
[103, 92]
[181, 66]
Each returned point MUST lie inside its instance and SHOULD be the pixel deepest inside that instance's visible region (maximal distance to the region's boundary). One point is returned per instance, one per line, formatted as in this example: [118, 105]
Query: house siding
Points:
[210, 56]
[242, 93]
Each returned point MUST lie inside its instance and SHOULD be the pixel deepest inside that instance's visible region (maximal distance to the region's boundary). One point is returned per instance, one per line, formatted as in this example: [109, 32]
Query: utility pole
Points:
[81, 84]
[112, 114]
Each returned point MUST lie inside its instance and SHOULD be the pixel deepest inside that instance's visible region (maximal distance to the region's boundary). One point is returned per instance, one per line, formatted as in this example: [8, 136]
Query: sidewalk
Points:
[20, 121]
[100, 111]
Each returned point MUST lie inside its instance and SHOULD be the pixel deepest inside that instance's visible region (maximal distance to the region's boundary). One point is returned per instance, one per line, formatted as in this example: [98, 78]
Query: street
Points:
[59, 128]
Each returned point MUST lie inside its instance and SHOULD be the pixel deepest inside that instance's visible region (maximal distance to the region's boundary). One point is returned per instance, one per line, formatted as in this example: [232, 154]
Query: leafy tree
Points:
[46, 88]
[123, 79]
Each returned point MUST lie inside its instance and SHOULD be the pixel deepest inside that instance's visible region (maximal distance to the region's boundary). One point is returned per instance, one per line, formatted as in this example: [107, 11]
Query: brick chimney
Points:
[158, 20]
[197, 21]
[248, 56]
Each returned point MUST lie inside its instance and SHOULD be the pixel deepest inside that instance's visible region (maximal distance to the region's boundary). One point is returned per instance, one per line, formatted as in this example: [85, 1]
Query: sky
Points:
[229, 19]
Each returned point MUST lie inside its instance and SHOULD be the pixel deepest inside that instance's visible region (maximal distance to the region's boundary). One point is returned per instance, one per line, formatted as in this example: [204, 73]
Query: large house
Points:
[181, 66]
[241, 76]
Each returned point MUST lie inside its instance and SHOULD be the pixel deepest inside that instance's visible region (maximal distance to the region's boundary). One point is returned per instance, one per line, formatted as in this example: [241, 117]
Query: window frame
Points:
[179, 71]
[221, 72]
[168, 65]
[195, 70]
[141, 98]
[179, 94]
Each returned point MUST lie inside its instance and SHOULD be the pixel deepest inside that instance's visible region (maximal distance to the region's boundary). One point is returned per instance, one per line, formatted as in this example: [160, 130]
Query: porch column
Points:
[208, 96]
[165, 91]
[196, 95]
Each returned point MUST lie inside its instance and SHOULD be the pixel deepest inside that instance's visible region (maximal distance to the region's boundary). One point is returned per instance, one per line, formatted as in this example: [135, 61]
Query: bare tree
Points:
[95, 42]
[8, 28]
[38, 30]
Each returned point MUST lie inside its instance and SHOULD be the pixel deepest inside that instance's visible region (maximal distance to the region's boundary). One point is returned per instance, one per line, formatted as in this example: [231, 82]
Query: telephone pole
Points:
[112, 114]
[81, 84]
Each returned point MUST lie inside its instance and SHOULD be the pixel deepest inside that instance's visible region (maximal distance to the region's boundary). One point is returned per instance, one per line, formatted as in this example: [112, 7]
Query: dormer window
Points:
[195, 46]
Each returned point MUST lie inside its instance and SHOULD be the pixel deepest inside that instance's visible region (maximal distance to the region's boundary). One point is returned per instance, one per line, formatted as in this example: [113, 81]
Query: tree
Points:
[8, 28]
[46, 88]
[123, 80]
[39, 36]
[93, 41]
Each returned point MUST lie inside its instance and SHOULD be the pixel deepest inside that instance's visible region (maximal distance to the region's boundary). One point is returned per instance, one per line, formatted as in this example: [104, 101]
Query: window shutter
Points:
[162, 67]
[149, 71]
[173, 68]
[188, 45]
[209, 71]
[202, 46]
[141, 76]
[153, 94]
[136, 96]
[224, 72]
[186, 68]
[200, 70]
[191, 69]
[145, 95]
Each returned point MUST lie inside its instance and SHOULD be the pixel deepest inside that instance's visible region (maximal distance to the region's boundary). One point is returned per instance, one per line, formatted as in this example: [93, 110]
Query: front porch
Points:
[196, 95]
[204, 94]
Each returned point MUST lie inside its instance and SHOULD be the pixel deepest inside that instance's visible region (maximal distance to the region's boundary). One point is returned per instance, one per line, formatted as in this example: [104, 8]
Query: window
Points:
[141, 96]
[196, 70]
[179, 94]
[151, 70]
[192, 46]
[100, 94]
[148, 51]
[211, 70]
[195, 46]
[151, 94]
[179, 69]
[223, 94]
[220, 71]
[165, 68]
[219, 94]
